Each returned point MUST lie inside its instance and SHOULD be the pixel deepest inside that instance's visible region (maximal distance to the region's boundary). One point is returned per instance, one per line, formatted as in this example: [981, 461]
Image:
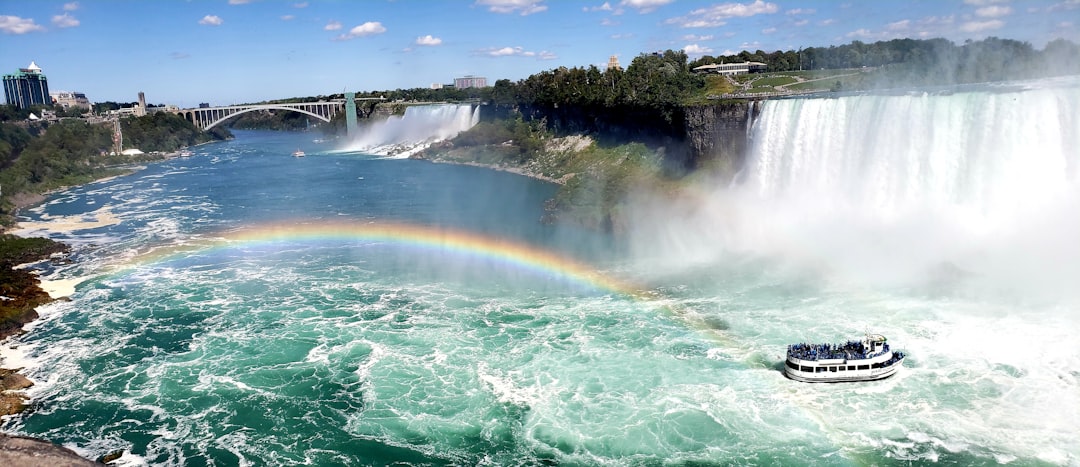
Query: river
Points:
[249, 307]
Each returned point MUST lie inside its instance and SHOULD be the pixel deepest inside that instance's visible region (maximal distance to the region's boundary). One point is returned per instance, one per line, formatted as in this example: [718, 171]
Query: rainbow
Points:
[446, 240]
[443, 240]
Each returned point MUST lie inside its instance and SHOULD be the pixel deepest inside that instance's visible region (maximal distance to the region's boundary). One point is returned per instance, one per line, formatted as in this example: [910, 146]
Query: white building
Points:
[470, 82]
[68, 99]
[732, 68]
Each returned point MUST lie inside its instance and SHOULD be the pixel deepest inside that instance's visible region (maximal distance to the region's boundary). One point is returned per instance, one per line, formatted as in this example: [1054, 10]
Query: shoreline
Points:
[499, 168]
[13, 384]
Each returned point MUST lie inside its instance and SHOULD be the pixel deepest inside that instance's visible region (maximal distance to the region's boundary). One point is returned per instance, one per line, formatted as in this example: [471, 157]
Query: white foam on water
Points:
[399, 137]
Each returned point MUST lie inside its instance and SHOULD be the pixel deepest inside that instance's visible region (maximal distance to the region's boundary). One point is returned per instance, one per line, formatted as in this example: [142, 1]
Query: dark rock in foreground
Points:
[31, 452]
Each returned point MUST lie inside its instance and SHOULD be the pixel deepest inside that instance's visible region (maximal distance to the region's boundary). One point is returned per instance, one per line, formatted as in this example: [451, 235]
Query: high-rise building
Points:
[27, 87]
[470, 82]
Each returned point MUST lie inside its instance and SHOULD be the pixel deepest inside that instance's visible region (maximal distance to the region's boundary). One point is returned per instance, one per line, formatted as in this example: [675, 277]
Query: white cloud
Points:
[901, 25]
[238, 2]
[288, 17]
[609, 22]
[802, 11]
[506, 51]
[825, 22]
[211, 20]
[518, 52]
[694, 49]
[935, 20]
[428, 40]
[369, 28]
[993, 11]
[622, 36]
[984, 2]
[644, 6]
[64, 21]
[300, 5]
[697, 38]
[861, 32]
[768, 30]
[979, 26]
[605, 7]
[179, 55]
[17, 25]
[715, 16]
[1065, 5]
[332, 26]
[804, 22]
[71, 6]
[523, 7]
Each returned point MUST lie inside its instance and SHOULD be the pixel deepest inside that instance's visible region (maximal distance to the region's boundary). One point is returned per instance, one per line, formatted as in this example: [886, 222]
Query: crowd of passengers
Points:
[850, 350]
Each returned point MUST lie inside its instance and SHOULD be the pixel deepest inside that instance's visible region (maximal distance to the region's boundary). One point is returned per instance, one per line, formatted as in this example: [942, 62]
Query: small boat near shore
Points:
[865, 360]
[298, 153]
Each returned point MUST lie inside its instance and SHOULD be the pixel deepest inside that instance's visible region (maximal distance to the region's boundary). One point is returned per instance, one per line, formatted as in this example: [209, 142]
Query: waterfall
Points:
[402, 136]
[976, 178]
[988, 156]
[890, 189]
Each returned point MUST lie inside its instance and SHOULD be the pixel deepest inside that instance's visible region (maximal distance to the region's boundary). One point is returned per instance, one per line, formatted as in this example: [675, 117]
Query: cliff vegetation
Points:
[39, 157]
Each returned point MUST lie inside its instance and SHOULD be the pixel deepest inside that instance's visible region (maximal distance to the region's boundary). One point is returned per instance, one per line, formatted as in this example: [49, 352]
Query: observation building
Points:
[732, 68]
[27, 87]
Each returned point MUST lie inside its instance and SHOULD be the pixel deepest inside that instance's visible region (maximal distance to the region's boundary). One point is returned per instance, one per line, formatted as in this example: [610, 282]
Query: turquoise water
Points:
[353, 351]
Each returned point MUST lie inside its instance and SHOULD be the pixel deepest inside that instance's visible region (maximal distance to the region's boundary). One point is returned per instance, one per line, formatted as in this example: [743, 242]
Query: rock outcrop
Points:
[718, 134]
[32, 452]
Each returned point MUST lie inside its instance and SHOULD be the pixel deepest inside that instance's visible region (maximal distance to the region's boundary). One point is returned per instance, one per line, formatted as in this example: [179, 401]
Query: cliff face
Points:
[710, 136]
[717, 135]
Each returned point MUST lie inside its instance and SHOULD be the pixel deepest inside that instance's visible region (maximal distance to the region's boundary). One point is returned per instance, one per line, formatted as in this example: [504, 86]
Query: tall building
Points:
[27, 87]
[613, 63]
[470, 82]
[140, 111]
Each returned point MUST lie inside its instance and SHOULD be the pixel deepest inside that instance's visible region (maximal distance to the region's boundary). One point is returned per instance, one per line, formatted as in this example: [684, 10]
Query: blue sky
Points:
[235, 51]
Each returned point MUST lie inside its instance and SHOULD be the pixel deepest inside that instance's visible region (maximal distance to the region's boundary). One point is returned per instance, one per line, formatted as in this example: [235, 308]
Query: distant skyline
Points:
[235, 51]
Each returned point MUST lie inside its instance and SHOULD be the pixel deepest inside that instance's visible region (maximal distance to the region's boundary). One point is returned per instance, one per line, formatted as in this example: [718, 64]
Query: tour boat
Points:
[298, 153]
[866, 360]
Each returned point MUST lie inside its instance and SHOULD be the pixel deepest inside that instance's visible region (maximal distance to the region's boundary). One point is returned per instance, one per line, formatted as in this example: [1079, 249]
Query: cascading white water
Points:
[402, 136]
[987, 180]
[894, 189]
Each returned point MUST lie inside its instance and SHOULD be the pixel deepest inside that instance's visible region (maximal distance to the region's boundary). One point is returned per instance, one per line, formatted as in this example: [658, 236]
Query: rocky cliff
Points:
[718, 134]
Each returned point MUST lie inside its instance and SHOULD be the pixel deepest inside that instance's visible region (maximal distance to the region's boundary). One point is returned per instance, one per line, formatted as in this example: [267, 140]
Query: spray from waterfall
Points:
[420, 126]
[897, 189]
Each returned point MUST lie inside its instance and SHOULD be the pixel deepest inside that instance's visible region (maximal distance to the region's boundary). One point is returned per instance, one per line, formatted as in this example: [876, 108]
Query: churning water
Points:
[255, 308]
[400, 136]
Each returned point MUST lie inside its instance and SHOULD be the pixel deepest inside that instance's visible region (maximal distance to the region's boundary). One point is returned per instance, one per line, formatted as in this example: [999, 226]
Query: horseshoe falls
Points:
[251, 308]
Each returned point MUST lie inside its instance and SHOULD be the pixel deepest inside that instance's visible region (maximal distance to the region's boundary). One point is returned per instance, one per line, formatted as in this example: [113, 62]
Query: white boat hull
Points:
[832, 374]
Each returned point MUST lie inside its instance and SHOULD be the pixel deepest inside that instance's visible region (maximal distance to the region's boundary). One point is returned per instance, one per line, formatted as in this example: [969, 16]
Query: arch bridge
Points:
[206, 118]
